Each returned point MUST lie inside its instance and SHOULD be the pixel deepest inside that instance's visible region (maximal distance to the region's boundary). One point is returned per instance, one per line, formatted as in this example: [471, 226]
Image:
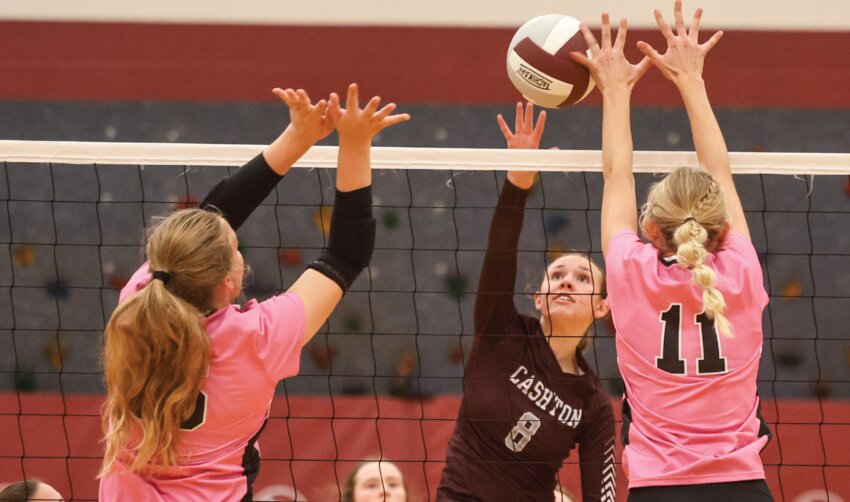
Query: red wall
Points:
[45, 61]
[310, 442]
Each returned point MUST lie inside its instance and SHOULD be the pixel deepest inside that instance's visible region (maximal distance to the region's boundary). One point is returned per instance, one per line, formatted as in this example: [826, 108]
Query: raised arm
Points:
[237, 196]
[494, 300]
[352, 233]
[615, 77]
[526, 137]
[682, 64]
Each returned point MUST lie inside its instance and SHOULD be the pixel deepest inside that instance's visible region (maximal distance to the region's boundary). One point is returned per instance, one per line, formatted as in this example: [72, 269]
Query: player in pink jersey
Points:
[190, 376]
[687, 305]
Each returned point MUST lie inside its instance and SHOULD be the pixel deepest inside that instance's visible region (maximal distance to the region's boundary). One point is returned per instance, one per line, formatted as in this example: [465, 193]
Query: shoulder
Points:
[629, 262]
[140, 278]
[735, 254]
[739, 245]
[271, 330]
[531, 331]
[623, 240]
[256, 316]
[283, 306]
[626, 245]
[737, 263]
[507, 329]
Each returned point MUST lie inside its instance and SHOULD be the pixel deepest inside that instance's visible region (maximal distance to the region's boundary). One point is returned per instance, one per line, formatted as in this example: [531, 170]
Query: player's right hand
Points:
[526, 135]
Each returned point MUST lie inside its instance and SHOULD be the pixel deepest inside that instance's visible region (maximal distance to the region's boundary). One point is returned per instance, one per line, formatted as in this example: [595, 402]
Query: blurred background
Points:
[201, 72]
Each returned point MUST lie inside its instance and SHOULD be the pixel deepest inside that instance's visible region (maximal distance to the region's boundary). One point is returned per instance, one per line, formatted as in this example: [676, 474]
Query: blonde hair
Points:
[157, 352]
[689, 208]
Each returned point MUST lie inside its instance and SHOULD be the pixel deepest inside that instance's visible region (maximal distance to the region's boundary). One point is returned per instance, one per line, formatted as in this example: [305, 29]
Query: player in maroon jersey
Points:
[529, 396]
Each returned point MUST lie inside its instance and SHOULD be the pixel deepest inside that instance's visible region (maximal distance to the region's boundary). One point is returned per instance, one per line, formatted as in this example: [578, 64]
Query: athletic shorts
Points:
[749, 491]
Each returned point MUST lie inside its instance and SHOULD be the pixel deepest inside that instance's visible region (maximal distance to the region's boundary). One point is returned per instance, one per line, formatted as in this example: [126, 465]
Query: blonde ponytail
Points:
[157, 352]
[689, 209]
[690, 239]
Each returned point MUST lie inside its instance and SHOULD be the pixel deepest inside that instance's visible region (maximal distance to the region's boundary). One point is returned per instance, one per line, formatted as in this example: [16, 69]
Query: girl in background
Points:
[375, 481]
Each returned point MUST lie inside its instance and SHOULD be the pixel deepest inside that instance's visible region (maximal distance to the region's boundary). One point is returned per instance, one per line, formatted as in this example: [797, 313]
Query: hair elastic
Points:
[162, 276]
[689, 218]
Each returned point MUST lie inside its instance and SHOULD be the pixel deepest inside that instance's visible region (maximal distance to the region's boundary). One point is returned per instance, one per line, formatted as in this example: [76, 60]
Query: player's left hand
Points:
[309, 122]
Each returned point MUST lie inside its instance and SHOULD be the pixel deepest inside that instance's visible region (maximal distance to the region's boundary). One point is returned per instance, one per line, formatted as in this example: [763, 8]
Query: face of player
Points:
[46, 492]
[233, 282]
[570, 291]
[379, 482]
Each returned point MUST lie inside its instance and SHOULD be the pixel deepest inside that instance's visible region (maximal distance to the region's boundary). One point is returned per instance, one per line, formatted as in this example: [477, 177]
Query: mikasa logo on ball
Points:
[533, 78]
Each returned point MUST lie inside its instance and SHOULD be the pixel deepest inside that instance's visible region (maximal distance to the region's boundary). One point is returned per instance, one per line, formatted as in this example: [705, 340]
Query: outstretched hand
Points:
[356, 128]
[685, 56]
[309, 122]
[607, 62]
[526, 135]
[361, 125]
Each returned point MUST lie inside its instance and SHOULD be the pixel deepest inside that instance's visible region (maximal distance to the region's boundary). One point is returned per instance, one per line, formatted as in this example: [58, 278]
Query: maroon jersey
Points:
[521, 415]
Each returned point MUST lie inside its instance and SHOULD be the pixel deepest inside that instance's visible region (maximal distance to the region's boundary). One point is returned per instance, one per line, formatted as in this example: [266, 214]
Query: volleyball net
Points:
[383, 377]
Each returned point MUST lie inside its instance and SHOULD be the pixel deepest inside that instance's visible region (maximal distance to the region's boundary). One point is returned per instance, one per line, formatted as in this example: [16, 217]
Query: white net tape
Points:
[469, 159]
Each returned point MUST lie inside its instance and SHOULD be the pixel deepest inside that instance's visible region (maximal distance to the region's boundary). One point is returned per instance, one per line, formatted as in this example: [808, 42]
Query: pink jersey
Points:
[252, 349]
[691, 391]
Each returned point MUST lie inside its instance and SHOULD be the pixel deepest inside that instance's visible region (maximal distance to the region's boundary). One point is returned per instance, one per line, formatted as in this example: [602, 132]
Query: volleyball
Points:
[539, 62]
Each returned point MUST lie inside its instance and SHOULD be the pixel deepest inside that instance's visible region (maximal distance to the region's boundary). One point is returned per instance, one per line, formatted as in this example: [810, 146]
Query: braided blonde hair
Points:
[690, 211]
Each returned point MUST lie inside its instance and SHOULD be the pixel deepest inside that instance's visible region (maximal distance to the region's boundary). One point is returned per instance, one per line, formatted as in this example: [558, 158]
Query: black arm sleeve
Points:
[237, 196]
[494, 301]
[351, 238]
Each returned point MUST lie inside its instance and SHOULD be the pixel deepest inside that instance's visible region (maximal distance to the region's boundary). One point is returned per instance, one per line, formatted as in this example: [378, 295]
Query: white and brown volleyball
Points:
[539, 62]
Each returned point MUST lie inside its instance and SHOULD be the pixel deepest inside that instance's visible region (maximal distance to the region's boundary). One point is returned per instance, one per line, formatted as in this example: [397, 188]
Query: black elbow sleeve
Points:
[237, 196]
[351, 239]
